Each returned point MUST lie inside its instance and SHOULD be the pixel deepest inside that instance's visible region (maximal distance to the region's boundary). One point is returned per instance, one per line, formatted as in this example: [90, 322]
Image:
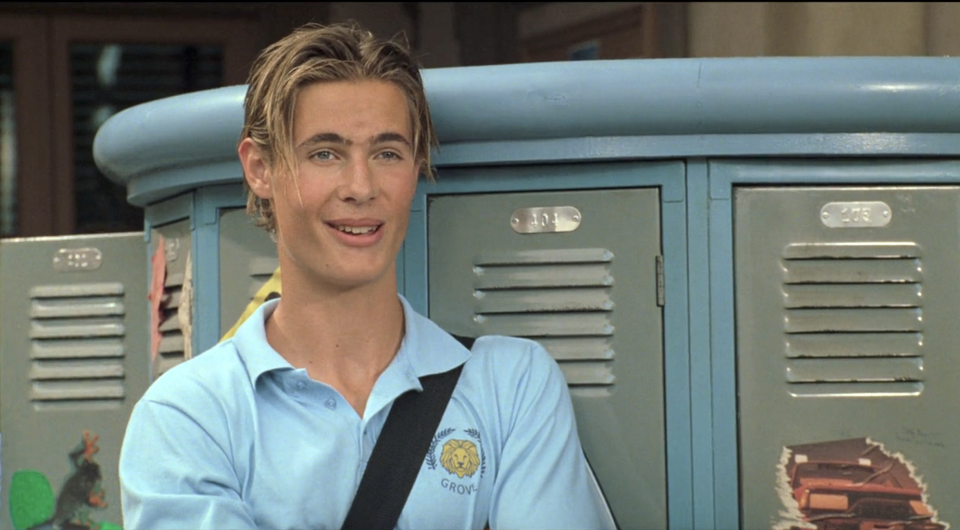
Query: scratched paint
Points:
[185, 309]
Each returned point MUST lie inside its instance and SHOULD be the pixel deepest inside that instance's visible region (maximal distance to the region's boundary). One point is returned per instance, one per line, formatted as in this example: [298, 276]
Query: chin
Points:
[358, 279]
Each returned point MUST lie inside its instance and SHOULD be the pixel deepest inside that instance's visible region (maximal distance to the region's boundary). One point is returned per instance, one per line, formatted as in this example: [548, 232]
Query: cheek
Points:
[402, 188]
[285, 192]
[407, 186]
[304, 196]
[287, 208]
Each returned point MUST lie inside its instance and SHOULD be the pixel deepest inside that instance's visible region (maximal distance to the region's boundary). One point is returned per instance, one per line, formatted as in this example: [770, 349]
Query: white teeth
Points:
[357, 230]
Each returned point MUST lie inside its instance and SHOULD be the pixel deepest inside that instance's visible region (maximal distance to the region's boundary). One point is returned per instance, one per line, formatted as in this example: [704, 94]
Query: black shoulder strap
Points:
[398, 456]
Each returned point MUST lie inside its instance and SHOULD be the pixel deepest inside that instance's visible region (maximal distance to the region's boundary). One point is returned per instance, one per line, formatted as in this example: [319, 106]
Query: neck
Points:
[345, 338]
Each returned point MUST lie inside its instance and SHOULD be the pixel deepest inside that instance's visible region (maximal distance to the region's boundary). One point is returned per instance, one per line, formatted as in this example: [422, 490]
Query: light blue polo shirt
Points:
[238, 438]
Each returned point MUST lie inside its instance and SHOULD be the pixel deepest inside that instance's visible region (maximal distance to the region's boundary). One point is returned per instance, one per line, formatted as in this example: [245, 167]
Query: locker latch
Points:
[660, 284]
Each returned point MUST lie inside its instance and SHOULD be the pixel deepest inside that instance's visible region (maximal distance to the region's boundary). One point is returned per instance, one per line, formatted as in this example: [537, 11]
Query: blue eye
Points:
[323, 155]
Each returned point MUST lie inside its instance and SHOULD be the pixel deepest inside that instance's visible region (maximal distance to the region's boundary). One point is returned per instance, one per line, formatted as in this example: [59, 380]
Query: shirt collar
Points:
[426, 349]
[251, 343]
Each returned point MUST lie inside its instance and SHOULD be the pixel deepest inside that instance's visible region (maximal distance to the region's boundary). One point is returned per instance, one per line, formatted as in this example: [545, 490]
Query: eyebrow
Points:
[387, 137]
[334, 138]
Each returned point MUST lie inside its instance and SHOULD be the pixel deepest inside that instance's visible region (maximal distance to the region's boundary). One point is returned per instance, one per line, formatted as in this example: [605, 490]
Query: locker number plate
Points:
[77, 259]
[865, 214]
[544, 220]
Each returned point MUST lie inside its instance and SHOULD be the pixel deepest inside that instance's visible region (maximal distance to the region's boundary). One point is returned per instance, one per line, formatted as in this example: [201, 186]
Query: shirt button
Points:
[330, 404]
[301, 385]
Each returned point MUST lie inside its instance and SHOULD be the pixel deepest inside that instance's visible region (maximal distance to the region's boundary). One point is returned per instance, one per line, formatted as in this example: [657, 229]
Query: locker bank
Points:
[746, 269]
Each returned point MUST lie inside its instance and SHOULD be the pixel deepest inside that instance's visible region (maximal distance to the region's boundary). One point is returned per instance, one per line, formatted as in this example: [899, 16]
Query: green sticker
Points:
[31, 499]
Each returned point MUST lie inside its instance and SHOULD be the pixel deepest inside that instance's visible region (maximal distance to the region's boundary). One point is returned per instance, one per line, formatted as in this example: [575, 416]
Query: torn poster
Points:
[158, 275]
[854, 483]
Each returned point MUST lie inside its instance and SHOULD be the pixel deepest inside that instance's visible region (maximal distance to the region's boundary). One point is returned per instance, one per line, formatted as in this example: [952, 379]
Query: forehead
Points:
[350, 109]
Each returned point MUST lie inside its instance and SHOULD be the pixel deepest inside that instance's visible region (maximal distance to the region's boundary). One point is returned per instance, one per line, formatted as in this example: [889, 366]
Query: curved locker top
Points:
[164, 147]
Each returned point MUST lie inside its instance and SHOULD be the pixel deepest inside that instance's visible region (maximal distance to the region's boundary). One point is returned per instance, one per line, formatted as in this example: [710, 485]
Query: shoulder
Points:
[213, 377]
[518, 374]
[511, 357]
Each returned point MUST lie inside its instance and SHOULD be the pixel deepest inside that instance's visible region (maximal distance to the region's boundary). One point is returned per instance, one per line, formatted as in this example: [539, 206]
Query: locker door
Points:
[846, 306]
[248, 257]
[588, 295]
[75, 355]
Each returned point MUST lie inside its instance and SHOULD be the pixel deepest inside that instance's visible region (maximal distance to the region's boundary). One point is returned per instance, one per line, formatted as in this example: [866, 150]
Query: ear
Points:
[256, 171]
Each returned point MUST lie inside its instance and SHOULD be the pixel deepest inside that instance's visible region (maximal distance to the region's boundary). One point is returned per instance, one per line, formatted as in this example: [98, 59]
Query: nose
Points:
[359, 183]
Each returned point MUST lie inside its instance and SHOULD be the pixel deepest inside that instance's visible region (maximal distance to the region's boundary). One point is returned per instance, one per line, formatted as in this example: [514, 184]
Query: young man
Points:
[273, 428]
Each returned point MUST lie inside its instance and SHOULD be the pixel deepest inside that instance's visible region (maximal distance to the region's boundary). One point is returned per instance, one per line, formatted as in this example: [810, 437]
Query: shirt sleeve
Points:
[543, 480]
[175, 474]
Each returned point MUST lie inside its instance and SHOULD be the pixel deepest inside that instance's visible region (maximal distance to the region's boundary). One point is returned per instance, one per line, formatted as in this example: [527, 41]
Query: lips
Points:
[357, 231]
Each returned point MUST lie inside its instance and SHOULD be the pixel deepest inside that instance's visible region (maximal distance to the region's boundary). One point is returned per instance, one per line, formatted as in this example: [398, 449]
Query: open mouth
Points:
[357, 230]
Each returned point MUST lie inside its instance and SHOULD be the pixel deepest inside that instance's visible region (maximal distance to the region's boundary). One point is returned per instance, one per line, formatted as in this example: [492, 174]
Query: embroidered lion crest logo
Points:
[460, 458]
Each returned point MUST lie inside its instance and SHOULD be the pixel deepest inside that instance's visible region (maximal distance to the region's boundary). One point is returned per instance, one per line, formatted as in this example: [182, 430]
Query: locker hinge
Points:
[660, 285]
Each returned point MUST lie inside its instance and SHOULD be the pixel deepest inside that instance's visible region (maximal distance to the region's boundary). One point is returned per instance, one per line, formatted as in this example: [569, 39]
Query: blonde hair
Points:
[312, 54]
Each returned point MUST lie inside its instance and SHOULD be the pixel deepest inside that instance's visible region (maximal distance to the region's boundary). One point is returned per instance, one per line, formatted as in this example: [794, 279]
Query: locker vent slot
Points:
[853, 319]
[261, 269]
[171, 350]
[77, 349]
[560, 298]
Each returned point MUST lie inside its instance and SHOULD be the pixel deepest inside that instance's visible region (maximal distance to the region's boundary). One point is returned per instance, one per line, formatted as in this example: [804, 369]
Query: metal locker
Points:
[846, 304]
[74, 350]
[577, 271]
[176, 322]
[248, 257]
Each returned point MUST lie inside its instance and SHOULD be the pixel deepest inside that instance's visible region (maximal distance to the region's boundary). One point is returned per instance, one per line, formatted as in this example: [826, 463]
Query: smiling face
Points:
[342, 218]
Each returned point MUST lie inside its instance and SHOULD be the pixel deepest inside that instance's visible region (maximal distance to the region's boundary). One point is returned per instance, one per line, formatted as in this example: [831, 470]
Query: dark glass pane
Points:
[107, 78]
[8, 144]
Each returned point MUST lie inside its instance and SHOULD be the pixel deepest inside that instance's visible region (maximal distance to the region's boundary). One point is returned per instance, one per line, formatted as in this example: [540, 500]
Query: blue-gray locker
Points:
[845, 341]
[578, 272]
[248, 258]
[75, 360]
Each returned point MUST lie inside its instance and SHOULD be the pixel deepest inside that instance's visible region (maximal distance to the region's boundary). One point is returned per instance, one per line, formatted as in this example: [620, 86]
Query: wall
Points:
[429, 27]
[384, 19]
[662, 31]
[943, 18]
[823, 29]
